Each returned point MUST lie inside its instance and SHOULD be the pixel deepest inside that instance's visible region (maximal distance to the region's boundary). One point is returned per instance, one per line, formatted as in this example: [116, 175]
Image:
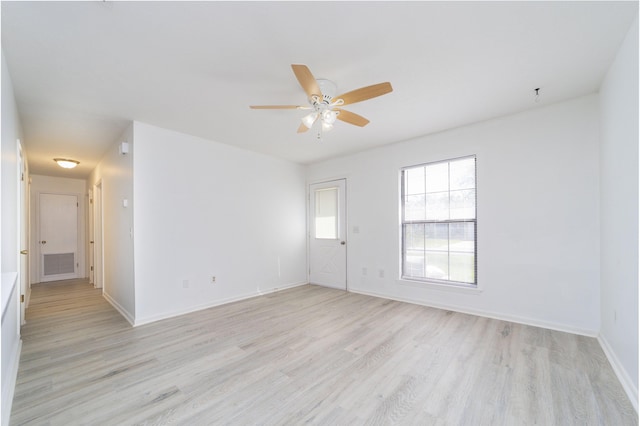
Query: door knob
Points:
[24, 252]
[90, 242]
[43, 242]
[343, 243]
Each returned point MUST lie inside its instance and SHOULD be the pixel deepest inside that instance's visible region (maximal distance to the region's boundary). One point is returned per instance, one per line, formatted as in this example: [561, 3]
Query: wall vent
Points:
[60, 263]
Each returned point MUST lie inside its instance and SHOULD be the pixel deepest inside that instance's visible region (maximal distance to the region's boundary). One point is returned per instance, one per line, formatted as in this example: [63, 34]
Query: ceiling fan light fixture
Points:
[329, 116]
[66, 163]
[326, 126]
[309, 119]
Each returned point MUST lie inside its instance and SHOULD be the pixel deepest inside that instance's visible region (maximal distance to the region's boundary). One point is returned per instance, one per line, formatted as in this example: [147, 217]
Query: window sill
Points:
[432, 285]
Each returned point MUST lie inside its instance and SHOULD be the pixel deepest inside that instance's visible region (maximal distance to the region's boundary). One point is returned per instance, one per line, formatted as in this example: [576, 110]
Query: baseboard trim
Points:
[147, 320]
[487, 314]
[119, 308]
[627, 384]
[9, 388]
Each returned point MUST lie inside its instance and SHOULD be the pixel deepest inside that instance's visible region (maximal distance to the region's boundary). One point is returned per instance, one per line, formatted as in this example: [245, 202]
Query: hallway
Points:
[65, 323]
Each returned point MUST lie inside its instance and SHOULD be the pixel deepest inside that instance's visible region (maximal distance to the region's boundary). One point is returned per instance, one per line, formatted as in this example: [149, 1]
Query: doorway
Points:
[58, 244]
[23, 229]
[97, 237]
[91, 236]
[327, 234]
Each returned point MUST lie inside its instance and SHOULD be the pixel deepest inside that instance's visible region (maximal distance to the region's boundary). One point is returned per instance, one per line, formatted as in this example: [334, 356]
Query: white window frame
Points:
[422, 280]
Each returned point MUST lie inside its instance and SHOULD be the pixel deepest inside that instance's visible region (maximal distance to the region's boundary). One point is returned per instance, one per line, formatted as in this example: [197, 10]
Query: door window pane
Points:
[326, 200]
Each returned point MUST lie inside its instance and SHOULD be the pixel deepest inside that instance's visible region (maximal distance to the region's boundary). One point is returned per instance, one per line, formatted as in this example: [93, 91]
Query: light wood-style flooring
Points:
[305, 355]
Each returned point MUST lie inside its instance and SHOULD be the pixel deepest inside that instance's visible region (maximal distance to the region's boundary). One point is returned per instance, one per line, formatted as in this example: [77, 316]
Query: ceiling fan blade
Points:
[307, 80]
[302, 128]
[351, 118]
[274, 106]
[365, 93]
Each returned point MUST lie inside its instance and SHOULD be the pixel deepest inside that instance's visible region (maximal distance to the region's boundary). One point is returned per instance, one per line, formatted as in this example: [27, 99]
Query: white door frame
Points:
[97, 237]
[343, 226]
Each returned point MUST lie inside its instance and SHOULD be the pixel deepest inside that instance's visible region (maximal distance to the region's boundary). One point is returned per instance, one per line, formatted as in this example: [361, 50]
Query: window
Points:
[439, 222]
[326, 216]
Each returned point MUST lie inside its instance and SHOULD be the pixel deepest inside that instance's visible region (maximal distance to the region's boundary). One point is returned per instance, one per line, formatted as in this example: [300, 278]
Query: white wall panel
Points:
[205, 209]
[9, 263]
[115, 172]
[619, 213]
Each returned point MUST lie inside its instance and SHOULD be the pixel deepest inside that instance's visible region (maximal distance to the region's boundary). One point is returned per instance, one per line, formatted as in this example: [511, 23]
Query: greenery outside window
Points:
[439, 222]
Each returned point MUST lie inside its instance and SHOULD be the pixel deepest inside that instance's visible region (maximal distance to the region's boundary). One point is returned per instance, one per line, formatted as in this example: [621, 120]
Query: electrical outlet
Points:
[381, 273]
[364, 271]
[615, 316]
[185, 283]
[213, 279]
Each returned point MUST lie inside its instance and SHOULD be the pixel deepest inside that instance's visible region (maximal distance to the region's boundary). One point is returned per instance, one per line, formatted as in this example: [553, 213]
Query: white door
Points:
[23, 222]
[58, 237]
[91, 237]
[98, 276]
[327, 234]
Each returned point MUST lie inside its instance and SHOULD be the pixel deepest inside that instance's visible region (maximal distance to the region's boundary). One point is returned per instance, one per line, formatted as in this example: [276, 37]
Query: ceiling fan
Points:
[325, 106]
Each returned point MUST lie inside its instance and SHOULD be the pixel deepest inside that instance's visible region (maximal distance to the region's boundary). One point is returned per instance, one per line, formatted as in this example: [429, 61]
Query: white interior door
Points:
[58, 237]
[23, 222]
[327, 234]
[91, 238]
[98, 276]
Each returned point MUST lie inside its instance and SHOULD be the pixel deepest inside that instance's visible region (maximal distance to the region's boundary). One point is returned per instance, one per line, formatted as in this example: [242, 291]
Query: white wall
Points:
[57, 185]
[537, 186]
[115, 172]
[619, 213]
[11, 131]
[207, 209]
[9, 267]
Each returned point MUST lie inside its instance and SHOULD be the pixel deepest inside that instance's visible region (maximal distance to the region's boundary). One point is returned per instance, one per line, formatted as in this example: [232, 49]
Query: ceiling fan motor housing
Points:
[328, 89]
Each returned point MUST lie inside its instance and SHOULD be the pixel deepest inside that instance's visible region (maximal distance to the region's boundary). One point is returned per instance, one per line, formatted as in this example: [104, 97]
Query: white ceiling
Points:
[83, 70]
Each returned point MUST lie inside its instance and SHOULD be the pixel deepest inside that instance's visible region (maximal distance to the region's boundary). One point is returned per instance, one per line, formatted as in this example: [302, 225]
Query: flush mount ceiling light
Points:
[65, 163]
[325, 106]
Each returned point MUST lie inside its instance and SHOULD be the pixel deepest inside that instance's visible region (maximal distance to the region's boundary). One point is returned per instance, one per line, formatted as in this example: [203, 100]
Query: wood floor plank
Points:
[307, 355]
